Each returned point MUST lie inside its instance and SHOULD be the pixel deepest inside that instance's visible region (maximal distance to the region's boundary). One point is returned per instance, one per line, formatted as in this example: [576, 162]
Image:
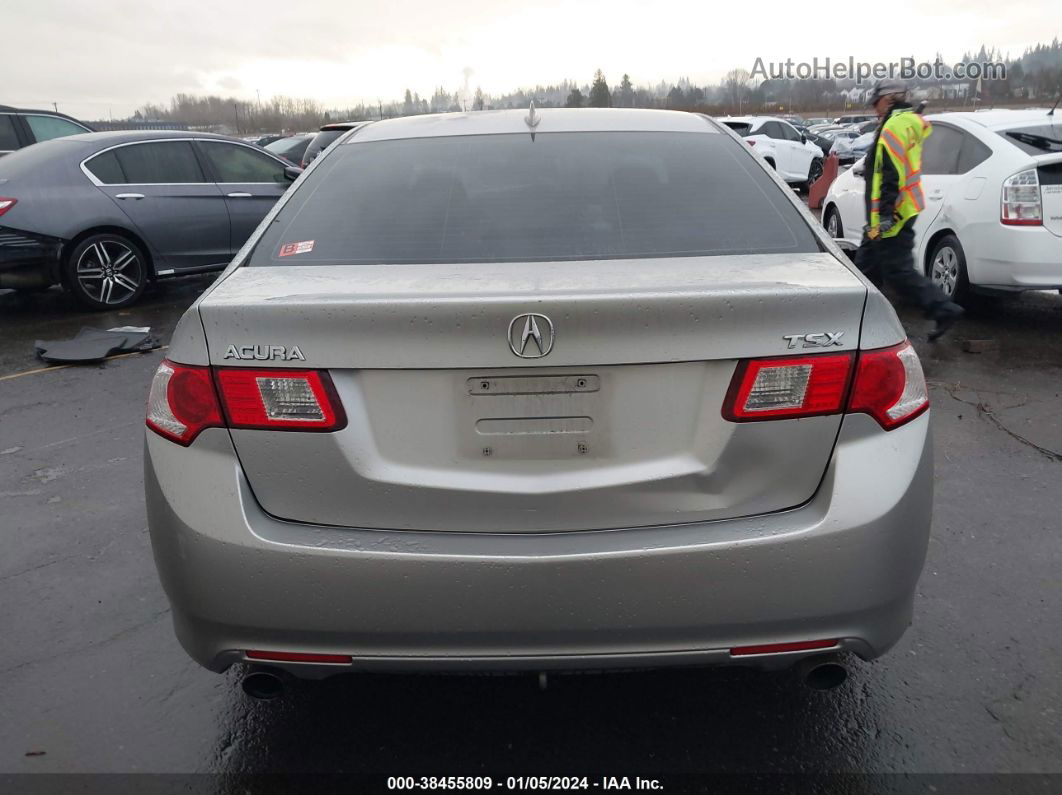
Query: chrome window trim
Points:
[92, 177]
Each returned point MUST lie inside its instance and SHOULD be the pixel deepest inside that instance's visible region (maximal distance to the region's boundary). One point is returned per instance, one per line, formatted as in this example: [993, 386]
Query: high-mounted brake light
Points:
[887, 384]
[6, 204]
[1021, 204]
[185, 400]
[182, 402]
[797, 386]
[303, 400]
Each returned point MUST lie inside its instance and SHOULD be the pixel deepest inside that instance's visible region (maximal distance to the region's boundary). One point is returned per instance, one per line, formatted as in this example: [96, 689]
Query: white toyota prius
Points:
[993, 217]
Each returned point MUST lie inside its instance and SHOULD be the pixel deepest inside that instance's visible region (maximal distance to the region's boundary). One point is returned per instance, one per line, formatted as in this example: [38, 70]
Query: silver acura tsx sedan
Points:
[539, 390]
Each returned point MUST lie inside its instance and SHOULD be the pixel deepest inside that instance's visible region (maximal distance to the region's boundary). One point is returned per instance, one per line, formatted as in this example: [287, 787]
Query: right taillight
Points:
[1020, 203]
[887, 384]
[6, 203]
[184, 400]
[787, 387]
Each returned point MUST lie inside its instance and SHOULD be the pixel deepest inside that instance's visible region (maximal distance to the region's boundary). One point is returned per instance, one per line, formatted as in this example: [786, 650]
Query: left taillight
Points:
[6, 203]
[184, 400]
[293, 400]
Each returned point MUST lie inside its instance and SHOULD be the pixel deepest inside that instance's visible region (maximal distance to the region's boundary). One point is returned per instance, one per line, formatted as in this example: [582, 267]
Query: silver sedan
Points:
[538, 390]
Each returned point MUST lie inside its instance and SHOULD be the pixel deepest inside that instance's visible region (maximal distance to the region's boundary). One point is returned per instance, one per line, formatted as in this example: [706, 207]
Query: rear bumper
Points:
[1013, 257]
[845, 565]
[26, 256]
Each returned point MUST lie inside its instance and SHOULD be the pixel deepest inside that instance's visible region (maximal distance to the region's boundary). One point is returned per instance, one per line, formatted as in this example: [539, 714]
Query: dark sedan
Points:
[104, 213]
[291, 148]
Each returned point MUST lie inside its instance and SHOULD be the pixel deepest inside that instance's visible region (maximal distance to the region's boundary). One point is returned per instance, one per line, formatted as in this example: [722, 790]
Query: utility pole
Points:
[236, 108]
[56, 106]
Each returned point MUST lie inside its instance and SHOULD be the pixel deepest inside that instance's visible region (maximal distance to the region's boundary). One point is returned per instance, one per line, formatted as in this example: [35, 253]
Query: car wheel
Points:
[770, 162]
[833, 223]
[106, 271]
[814, 172]
[947, 268]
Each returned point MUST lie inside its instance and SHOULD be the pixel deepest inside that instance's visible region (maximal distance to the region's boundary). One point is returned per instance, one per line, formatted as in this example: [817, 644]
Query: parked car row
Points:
[993, 218]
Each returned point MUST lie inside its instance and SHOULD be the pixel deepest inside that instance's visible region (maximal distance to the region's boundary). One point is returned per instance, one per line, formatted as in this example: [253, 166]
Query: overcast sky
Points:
[110, 56]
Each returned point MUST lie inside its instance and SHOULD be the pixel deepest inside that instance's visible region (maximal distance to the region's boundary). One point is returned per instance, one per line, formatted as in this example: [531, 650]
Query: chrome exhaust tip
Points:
[263, 685]
[823, 673]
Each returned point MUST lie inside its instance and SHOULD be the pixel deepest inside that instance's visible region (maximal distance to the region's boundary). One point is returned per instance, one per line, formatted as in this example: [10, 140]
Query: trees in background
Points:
[575, 99]
[1034, 76]
[600, 96]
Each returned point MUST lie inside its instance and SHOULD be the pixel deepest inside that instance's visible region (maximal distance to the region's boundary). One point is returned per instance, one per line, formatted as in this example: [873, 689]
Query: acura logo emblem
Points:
[531, 335]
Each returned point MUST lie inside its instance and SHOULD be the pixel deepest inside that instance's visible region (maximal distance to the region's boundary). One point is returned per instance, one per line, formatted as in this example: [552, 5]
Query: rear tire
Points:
[814, 172]
[832, 222]
[106, 271]
[947, 269]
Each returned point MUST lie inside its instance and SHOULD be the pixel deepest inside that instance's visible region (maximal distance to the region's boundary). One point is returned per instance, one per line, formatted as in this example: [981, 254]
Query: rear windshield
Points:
[740, 127]
[508, 198]
[1036, 139]
[322, 140]
[285, 145]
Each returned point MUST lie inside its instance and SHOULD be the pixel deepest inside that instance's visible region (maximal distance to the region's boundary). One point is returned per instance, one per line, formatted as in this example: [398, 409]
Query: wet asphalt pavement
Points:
[93, 680]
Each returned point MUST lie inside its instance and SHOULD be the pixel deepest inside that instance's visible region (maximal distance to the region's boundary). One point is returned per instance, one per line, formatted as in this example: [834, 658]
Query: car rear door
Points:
[940, 177]
[800, 156]
[849, 191]
[161, 187]
[783, 154]
[250, 180]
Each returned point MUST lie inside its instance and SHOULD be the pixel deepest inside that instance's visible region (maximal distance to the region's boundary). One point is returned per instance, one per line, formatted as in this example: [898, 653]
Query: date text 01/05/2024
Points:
[547, 783]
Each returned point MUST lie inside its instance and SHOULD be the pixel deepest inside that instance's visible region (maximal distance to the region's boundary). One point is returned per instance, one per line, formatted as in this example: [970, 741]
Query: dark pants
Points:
[891, 259]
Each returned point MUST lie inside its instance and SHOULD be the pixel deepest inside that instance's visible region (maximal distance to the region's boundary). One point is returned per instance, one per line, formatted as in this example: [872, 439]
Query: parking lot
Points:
[94, 680]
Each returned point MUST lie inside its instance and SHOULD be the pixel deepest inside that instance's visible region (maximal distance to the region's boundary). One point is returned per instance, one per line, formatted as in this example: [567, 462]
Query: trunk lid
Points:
[1049, 173]
[618, 426]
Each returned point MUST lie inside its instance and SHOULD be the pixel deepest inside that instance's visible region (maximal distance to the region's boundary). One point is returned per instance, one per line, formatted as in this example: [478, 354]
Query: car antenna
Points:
[1052, 111]
[532, 119]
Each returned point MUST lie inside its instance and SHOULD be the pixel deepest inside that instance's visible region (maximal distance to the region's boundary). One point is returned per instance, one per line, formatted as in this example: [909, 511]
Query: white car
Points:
[791, 154]
[993, 188]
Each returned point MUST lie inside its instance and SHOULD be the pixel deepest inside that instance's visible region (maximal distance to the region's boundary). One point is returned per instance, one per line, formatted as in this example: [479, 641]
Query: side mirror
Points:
[291, 173]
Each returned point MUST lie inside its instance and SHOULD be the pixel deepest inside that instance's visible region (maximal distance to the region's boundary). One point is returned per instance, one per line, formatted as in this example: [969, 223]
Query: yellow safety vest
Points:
[901, 141]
